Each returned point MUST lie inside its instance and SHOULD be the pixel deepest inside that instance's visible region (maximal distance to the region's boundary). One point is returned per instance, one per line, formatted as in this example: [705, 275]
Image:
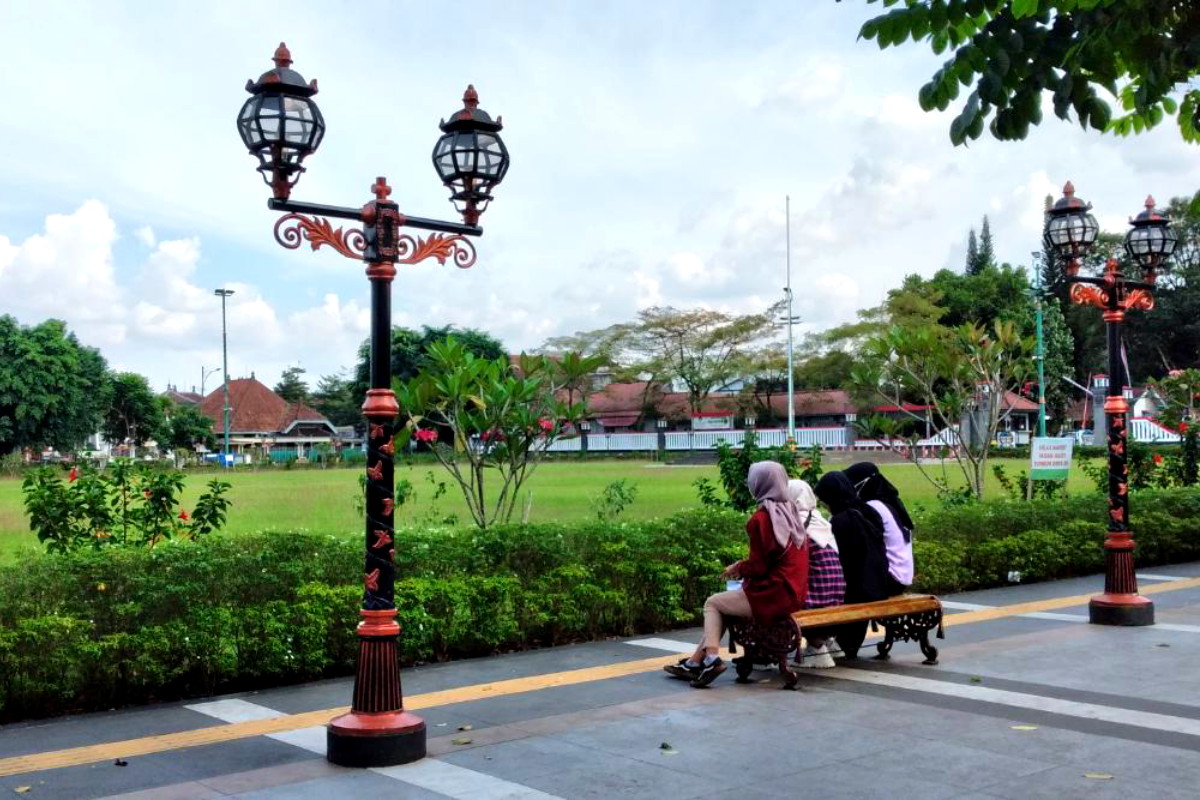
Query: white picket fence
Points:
[1147, 430]
[697, 440]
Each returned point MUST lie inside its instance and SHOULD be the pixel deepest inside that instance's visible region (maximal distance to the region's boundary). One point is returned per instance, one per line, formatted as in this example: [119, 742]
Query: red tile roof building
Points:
[259, 417]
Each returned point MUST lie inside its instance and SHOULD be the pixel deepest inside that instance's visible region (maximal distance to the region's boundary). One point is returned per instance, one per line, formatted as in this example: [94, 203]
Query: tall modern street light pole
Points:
[204, 373]
[281, 125]
[791, 319]
[224, 295]
[1070, 234]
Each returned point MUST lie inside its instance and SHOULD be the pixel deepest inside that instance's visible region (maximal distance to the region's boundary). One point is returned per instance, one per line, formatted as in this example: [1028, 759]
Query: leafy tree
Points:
[134, 414]
[828, 370]
[702, 348]
[972, 253]
[498, 421]
[291, 386]
[53, 390]
[769, 368]
[334, 397]
[186, 427]
[962, 374]
[410, 352]
[1180, 391]
[1009, 52]
[1059, 353]
[987, 250]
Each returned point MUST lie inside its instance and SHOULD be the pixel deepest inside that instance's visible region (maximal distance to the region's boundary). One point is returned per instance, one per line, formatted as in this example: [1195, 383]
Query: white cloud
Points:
[648, 169]
[160, 322]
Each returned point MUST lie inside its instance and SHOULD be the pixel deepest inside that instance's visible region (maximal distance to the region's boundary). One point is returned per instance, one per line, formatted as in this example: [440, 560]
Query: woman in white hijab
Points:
[826, 584]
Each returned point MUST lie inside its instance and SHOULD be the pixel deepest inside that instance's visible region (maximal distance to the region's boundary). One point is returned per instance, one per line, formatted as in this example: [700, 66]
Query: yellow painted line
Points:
[76, 756]
[1036, 606]
[145, 745]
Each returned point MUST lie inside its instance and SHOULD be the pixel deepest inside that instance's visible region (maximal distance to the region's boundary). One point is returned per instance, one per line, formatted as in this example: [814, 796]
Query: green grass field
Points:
[323, 500]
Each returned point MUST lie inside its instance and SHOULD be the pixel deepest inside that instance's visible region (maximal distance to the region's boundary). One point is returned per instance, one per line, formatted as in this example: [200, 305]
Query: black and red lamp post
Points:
[1071, 233]
[281, 125]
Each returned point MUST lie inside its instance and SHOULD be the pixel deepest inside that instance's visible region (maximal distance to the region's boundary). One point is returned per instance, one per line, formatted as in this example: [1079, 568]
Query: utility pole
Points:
[224, 294]
[1041, 353]
[791, 367]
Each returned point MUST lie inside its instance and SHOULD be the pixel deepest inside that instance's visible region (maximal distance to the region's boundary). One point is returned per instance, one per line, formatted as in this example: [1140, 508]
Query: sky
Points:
[652, 145]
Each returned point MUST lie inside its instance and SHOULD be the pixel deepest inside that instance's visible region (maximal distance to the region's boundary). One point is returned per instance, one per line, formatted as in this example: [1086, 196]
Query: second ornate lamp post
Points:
[1070, 233]
[281, 125]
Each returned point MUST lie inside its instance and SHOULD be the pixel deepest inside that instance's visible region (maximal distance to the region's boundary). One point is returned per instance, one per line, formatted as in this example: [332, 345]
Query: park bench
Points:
[904, 618]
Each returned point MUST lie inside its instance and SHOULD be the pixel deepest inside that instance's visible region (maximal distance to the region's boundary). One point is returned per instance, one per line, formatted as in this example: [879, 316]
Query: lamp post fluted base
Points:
[377, 731]
[1120, 609]
[357, 739]
[1120, 604]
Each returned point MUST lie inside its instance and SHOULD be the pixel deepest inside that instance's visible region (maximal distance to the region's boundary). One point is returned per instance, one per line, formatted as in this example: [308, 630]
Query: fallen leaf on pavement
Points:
[1024, 727]
[466, 727]
[1098, 776]
[460, 740]
[21, 789]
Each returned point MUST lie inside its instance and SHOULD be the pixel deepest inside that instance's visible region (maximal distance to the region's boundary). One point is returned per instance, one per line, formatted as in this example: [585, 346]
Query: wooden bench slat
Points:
[862, 612]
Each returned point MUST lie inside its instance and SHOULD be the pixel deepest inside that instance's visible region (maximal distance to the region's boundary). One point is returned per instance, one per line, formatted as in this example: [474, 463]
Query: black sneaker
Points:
[682, 671]
[708, 673]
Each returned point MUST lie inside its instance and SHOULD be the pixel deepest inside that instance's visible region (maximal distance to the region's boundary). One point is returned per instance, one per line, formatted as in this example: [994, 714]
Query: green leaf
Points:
[1024, 8]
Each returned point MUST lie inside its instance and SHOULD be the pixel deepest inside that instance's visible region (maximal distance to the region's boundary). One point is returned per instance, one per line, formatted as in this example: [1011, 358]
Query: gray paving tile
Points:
[359, 783]
[90, 781]
[850, 784]
[614, 776]
[63, 732]
[1069, 783]
[177, 791]
[208, 761]
[948, 763]
[269, 777]
[522, 759]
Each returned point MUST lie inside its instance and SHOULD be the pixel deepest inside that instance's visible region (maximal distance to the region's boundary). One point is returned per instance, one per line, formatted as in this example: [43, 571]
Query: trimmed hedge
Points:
[95, 630]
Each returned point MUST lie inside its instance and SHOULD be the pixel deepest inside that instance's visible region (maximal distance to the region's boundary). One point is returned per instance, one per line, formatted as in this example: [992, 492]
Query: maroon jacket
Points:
[775, 580]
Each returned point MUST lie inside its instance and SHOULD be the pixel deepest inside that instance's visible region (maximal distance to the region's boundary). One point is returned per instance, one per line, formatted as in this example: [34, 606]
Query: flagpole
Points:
[791, 388]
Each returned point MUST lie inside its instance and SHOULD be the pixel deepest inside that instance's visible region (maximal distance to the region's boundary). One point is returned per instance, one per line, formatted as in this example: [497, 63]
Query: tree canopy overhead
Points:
[1005, 54]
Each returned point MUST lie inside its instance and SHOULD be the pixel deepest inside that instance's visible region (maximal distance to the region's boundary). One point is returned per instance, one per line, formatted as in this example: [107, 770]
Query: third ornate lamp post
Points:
[281, 125]
[1070, 234]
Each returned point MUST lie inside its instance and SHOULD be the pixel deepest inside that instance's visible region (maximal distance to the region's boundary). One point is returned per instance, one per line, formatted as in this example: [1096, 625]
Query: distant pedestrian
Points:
[774, 576]
[826, 584]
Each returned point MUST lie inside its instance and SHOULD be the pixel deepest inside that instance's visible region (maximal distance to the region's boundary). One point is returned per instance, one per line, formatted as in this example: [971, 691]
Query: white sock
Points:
[708, 659]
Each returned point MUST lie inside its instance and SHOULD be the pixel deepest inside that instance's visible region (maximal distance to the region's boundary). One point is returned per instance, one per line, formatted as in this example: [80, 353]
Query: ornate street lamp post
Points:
[281, 125]
[1070, 234]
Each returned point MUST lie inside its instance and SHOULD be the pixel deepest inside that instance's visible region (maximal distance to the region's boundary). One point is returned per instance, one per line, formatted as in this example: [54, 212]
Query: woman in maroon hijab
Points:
[774, 576]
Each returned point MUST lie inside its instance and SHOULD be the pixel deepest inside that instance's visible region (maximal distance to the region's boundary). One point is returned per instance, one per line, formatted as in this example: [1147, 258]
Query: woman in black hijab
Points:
[858, 529]
[879, 495]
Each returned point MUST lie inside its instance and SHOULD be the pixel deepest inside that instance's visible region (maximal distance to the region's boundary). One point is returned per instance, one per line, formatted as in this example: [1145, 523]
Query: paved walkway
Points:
[1029, 701]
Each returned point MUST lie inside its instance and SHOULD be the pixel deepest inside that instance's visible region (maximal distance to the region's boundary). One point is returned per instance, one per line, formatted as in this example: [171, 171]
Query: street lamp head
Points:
[1070, 229]
[1151, 240]
[470, 157]
[280, 123]
[223, 292]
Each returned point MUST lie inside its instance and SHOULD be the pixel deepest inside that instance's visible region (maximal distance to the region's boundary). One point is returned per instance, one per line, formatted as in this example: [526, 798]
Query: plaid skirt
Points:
[826, 585]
